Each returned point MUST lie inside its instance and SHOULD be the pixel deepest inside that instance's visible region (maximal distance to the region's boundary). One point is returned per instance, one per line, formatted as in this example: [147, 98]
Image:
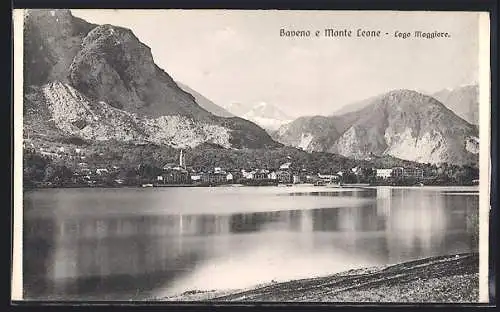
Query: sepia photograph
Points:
[246, 156]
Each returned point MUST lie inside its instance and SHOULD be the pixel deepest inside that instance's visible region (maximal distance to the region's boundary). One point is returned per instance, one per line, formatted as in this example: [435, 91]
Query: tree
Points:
[63, 173]
[50, 173]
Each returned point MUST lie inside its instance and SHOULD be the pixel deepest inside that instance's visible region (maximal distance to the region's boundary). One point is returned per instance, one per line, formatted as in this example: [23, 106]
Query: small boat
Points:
[147, 185]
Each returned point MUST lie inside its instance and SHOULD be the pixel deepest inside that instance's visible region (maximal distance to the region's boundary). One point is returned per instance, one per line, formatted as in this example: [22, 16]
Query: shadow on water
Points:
[122, 256]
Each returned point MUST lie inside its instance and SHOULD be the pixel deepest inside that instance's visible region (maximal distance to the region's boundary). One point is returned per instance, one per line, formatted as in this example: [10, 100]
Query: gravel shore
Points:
[444, 279]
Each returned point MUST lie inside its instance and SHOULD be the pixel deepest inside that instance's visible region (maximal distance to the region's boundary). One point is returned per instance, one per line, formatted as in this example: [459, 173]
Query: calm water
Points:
[121, 244]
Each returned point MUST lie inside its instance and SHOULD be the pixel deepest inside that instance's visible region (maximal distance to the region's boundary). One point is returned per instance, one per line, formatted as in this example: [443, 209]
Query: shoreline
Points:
[345, 186]
[440, 279]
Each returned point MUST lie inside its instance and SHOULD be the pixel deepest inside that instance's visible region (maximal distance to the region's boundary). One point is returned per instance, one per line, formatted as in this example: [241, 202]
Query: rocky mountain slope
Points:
[205, 103]
[402, 123]
[302, 131]
[463, 101]
[74, 114]
[264, 114]
[101, 83]
[52, 38]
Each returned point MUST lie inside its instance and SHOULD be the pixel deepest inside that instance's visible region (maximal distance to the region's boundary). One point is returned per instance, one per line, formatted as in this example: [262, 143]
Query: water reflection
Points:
[134, 256]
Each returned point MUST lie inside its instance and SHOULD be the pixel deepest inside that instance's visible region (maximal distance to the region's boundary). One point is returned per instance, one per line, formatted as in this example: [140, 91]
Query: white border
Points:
[484, 153]
[17, 247]
[484, 158]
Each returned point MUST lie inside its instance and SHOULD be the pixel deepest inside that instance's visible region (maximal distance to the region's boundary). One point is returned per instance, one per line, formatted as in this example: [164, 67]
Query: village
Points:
[179, 173]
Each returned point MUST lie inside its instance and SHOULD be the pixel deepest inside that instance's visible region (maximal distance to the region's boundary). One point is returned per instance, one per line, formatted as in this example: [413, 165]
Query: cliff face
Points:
[101, 83]
[303, 133]
[74, 114]
[114, 66]
[402, 123]
[52, 38]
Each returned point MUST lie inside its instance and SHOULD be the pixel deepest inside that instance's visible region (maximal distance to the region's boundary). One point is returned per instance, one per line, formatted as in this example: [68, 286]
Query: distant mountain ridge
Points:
[205, 103]
[264, 114]
[463, 101]
[401, 123]
[108, 79]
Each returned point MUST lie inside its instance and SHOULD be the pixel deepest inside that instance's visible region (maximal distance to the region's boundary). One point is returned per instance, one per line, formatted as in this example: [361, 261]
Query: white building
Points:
[248, 175]
[195, 177]
[356, 170]
[383, 173]
[285, 166]
[328, 177]
[101, 171]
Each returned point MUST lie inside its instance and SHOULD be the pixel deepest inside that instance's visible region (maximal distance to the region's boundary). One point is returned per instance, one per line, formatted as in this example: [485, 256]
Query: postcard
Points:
[251, 156]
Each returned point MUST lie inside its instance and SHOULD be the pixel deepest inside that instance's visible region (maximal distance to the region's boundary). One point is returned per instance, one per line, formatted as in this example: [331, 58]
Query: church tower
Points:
[181, 160]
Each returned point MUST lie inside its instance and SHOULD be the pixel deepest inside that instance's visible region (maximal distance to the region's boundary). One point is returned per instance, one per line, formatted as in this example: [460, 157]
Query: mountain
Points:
[52, 38]
[302, 132]
[463, 101]
[205, 103]
[99, 82]
[264, 114]
[401, 123]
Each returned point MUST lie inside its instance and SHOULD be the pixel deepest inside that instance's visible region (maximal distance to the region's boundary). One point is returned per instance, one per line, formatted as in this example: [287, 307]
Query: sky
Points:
[240, 57]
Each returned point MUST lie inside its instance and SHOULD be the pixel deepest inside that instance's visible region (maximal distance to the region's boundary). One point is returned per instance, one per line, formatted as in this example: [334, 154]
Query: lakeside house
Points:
[195, 178]
[285, 173]
[214, 177]
[284, 176]
[413, 172]
[260, 174]
[174, 176]
[399, 172]
[101, 171]
[237, 175]
[328, 177]
[383, 173]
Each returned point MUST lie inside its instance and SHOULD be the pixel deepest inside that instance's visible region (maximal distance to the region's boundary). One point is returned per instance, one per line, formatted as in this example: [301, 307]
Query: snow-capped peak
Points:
[264, 114]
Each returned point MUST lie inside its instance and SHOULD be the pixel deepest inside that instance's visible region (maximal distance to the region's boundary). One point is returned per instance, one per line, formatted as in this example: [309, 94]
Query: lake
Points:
[143, 243]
